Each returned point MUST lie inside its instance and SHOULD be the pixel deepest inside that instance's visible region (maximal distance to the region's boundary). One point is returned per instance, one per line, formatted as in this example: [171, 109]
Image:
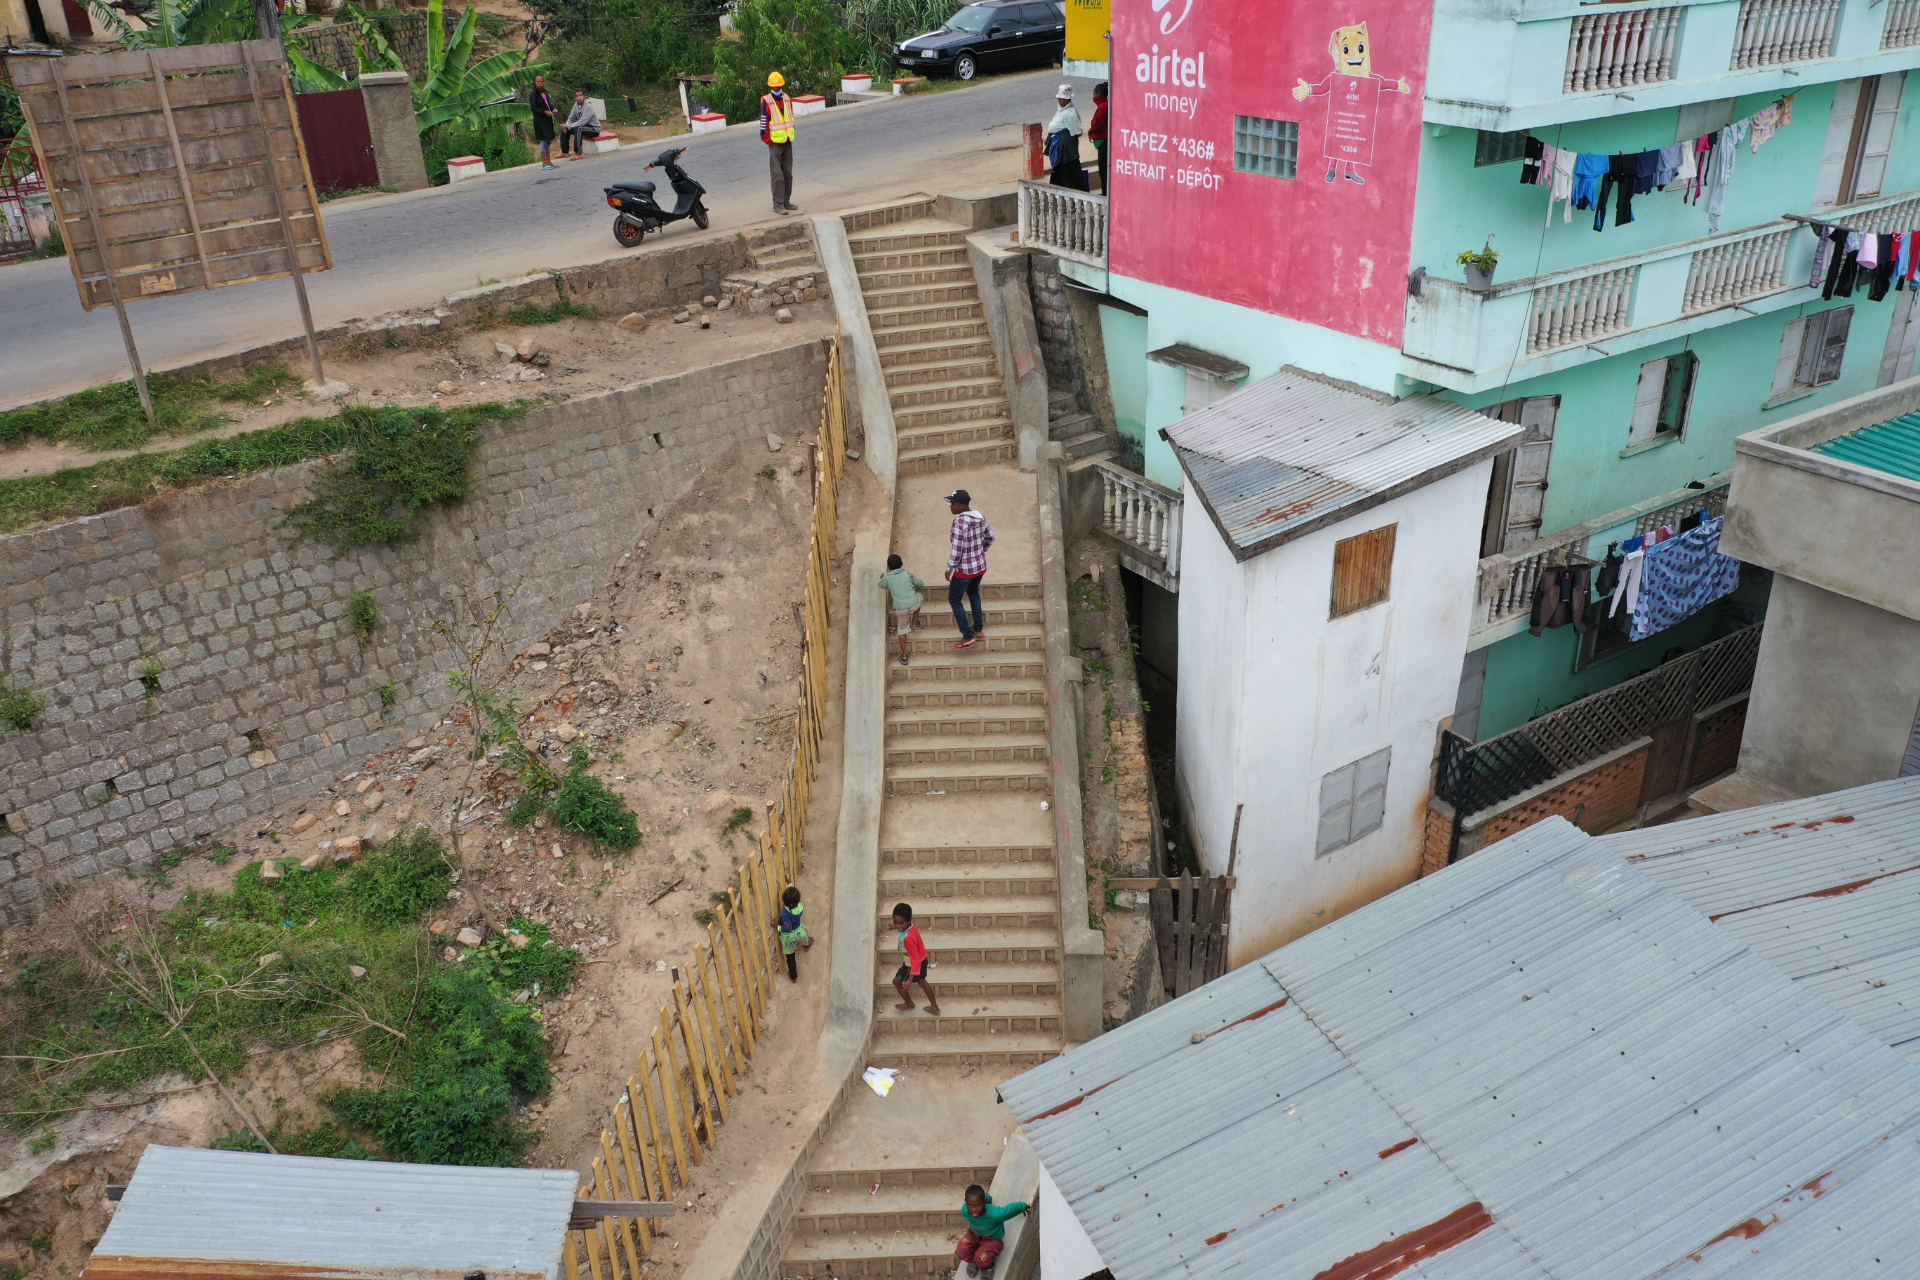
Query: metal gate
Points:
[339, 143]
[23, 198]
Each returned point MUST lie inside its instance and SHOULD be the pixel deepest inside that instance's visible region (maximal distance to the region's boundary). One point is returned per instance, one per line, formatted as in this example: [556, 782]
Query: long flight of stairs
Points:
[964, 837]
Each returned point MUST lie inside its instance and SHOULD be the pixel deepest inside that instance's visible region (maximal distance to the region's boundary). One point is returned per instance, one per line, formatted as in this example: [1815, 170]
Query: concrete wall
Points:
[247, 633]
[1273, 696]
[1067, 1252]
[396, 138]
[1835, 692]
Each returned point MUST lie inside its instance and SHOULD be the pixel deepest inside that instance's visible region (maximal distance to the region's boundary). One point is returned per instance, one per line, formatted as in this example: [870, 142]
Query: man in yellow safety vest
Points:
[776, 130]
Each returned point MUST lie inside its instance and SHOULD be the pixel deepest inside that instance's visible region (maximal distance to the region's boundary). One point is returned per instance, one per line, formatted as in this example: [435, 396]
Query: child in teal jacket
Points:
[986, 1233]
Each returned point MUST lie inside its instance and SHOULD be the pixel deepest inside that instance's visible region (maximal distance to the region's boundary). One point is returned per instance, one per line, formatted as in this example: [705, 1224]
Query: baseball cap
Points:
[958, 495]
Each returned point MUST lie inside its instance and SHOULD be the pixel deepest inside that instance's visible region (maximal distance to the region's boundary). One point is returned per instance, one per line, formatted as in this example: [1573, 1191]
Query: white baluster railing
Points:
[1774, 31]
[1722, 274]
[1615, 50]
[1903, 24]
[1067, 223]
[1581, 309]
[1143, 515]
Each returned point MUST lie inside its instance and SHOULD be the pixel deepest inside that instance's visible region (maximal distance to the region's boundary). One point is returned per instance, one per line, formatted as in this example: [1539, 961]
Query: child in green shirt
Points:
[986, 1233]
[904, 591]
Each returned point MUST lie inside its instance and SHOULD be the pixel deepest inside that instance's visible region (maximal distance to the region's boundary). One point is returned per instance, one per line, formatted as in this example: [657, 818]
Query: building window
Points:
[1499, 148]
[1853, 165]
[1265, 146]
[1353, 800]
[1811, 351]
[1660, 402]
[1362, 570]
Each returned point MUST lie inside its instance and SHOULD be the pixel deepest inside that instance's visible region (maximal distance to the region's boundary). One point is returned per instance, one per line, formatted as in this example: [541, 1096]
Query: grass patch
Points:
[739, 818]
[126, 994]
[19, 707]
[579, 801]
[364, 615]
[384, 188]
[534, 313]
[393, 436]
[109, 417]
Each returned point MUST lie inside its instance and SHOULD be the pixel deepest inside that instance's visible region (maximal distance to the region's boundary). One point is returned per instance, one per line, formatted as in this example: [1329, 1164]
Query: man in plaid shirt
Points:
[967, 565]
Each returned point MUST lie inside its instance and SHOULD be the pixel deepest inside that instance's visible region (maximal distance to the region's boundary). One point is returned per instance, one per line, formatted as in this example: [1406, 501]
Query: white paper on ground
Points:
[879, 1079]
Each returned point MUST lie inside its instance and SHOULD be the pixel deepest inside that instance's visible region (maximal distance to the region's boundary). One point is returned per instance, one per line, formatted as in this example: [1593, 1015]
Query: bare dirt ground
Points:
[681, 674]
[584, 356]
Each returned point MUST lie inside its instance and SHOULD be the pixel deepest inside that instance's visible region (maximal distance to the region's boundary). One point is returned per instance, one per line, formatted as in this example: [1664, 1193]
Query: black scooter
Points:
[638, 212]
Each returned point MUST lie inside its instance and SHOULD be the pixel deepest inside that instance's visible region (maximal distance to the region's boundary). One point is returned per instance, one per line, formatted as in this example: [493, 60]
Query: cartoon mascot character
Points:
[1353, 93]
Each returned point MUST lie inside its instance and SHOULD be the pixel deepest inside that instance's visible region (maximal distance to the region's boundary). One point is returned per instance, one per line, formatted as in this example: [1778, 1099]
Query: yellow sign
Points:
[1087, 27]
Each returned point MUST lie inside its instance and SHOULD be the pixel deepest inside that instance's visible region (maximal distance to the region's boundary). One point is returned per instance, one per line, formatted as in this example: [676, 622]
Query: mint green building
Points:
[1633, 356]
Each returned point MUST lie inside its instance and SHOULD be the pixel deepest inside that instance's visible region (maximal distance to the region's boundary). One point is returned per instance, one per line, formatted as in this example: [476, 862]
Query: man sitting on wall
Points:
[582, 124]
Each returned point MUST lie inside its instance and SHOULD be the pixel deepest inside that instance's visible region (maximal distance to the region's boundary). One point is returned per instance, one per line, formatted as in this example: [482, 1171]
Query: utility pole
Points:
[266, 19]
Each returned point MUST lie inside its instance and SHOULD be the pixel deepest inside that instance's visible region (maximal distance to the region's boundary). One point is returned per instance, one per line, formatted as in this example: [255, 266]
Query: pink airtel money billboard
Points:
[1265, 153]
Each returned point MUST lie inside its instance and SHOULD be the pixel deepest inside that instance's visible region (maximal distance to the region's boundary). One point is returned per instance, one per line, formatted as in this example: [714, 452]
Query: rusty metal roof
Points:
[1297, 451]
[1538, 1063]
[191, 1214]
[1826, 888]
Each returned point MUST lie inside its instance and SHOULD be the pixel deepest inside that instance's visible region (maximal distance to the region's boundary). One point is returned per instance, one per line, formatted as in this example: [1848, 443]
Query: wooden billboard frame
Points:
[154, 159]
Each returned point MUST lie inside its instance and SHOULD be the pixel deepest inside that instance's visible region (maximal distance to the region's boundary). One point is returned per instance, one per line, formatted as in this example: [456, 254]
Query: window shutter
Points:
[1369, 793]
[1676, 392]
[1201, 392]
[1833, 158]
[1903, 336]
[1362, 570]
[1807, 372]
[1646, 401]
[1872, 170]
[1336, 810]
[1788, 362]
[1833, 349]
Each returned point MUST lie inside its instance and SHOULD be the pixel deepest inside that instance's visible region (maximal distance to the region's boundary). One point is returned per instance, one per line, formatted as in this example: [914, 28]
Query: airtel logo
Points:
[1169, 24]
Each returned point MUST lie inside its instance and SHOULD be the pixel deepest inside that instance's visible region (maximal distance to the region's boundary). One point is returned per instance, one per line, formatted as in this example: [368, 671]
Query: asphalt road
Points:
[410, 250]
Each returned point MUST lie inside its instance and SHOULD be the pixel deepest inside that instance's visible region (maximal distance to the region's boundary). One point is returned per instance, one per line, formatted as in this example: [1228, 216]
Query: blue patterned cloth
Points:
[1681, 576]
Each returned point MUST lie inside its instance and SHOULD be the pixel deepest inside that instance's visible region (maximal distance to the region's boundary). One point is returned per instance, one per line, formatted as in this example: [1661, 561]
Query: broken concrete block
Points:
[314, 859]
[438, 928]
[681, 317]
[726, 303]
[504, 351]
[304, 822]
[540, 650]
[374, 801]
[469, 937]
[709, 301]
[414, 744]
[363, 786]
[448, 953]
[774, 443]
[783, 316]
[356, 972]
[759, 306]
[633, 320]
[566, 733]
[261, 759]
[270, 870]
[375, 836]
[527, 349]
[447, 387]
[346, 845]
[329, 390]
[341, 809]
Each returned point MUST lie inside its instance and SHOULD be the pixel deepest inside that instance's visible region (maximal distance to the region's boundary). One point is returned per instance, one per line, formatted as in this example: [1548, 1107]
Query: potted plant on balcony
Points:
[1479, 264]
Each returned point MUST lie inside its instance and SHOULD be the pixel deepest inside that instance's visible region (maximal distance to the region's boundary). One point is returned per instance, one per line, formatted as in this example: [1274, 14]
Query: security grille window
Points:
[1499, 148]
[1265, 146]
[1660, 403]
[1812, 350]
[1353, 800]
[1362, 570]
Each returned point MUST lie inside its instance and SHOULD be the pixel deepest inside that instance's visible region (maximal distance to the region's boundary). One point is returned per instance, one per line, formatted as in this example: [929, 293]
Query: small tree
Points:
[804, 40]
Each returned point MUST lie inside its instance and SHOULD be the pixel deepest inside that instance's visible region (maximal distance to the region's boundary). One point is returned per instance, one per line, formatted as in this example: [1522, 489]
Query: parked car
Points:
[989, 36]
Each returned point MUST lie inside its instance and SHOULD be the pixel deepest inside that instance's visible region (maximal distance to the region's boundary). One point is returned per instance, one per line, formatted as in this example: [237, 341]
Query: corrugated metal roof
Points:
[1542, 1048]
[1892, 446]
[1826, 888]
[1295, 451]
[237, 1213]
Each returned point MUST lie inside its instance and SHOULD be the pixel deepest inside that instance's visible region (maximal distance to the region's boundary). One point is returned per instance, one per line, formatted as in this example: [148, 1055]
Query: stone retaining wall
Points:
[263, 692]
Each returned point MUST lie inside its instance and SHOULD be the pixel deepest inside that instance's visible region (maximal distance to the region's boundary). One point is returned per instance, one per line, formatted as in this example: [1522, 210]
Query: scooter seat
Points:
[640, 188]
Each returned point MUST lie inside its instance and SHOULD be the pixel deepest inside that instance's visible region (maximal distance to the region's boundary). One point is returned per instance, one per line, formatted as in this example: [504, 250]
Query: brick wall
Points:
[247, 631]
[1717, 747]
[1054, 318]
[1593, 801]
[1436, 838]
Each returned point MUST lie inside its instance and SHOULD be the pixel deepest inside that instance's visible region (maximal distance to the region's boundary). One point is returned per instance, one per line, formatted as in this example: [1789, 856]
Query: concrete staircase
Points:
[963, 836]
[785, 269]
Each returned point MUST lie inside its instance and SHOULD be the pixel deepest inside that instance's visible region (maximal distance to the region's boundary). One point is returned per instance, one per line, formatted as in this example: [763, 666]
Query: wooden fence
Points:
[676, 1100]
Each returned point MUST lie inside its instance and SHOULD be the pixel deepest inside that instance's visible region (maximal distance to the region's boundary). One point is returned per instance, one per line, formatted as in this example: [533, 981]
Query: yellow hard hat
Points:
[776, 81]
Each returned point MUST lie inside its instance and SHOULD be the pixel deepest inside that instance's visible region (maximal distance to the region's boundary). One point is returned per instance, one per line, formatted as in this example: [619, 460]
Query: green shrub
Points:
[584, 804]
[110, 417]
[364, 615]
[739, 818]
[19, 707]
[403, 461]
[495, 144]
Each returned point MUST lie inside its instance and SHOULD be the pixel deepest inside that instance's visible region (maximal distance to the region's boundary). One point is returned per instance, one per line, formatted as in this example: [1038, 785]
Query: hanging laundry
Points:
[1587, 172]
[1563, 162]
[1609, 576]
[1530, 162]
[1765, 122]
[1689, 166]
[1647, 171]
[1667, 165]
[1682, 576]
[1822, 252]
[1621, 172]
[1883, 264]
[1628, 590]
[1845, 266]
[1560, 598]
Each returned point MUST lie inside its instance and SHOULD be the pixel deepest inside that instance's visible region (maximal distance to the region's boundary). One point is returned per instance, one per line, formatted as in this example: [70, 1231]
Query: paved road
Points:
[410, 250]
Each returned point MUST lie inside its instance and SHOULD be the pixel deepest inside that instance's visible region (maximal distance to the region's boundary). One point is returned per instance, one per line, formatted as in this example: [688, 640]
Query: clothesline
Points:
[1701, 167]
[1886, 258]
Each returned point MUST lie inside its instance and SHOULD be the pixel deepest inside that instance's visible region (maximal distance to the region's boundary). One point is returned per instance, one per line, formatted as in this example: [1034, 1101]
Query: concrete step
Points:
[968, 666]
[867, 246]
[953, 413]
[955, 1179]
[1009, 1049]
[1060, 403]
[1085, 445]
[967, 885]
[1008, 947]
[932, 295]
[976, 981]
[921, 644]
[891, 860]
[988, 431]
[985, 753]
[977, 386]
[896, 1205]
[948, 920]
[929, 463]
[922, 1252]
[966, 1019]
[917, 317]
[1035, 777]
[776, 278]
[873, 279]
[1023, 693]
[770, 234]
[939, 617]
[901, 376]
[939, 352]
[914, 259]
[1071, 425]
[912, 728]
[932, 335]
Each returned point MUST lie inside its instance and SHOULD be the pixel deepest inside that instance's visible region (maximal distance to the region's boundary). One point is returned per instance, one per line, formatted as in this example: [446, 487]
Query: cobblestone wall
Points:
[1070, 341]
[196, 665]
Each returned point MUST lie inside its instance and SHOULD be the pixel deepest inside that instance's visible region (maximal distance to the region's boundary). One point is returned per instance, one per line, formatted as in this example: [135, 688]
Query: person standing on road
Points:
[1063, 142]
[967, 565]
[542, 103]
[776, 130]
[582, 125]
[1097, 131]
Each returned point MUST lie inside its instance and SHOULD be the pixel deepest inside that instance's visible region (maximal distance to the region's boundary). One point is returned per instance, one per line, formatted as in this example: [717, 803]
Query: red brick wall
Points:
[1719, 744]
[1593, 801]
[1435, 840]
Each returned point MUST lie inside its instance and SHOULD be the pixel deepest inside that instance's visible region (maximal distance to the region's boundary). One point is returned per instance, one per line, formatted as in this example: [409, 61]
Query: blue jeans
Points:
[960, 590]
